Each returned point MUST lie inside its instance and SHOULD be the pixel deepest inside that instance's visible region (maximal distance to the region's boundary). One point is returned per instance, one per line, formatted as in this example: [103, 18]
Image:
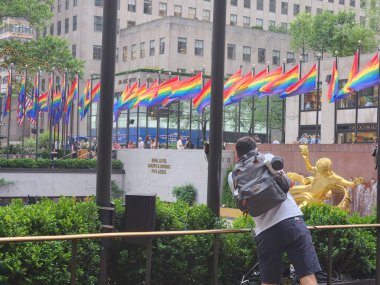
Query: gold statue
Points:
[320, 187]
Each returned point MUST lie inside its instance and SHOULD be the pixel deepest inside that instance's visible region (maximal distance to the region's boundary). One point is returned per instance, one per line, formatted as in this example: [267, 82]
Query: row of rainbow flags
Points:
[59, 103]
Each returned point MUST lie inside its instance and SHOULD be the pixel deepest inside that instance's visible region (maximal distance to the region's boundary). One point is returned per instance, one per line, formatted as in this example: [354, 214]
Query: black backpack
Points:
[257, 189]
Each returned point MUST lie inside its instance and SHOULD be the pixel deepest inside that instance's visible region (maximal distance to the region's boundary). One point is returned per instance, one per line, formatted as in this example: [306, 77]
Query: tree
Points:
[322, 32]
[36, 12]
[300, 31]
[45, 53]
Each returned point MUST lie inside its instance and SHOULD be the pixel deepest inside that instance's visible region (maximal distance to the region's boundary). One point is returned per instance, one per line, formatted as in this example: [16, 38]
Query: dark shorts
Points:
[290, 236]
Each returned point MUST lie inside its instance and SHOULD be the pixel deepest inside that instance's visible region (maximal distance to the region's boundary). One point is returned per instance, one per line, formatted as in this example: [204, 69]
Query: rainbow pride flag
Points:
[95, 93]
[21, 94]
[281, 83]
[249, 87]
[32, 109]
[232, 80]
[43, 101]
[203, 99]
[304, 85]
[150, 93]
[164, 91]
[187, 89]
[82, 100]
[134, 102]
[73, 93]
[230, 93]
[346, 90]
[7, 97]
[368, 76]
[334, 85]
[123, 100]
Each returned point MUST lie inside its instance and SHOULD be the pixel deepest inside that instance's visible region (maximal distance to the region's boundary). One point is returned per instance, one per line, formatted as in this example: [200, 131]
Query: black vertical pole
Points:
[138, 119]
[10, 110]
[318, 88]
[51, 114]
[253, 106]
[216, 106]
[335, 105]
[299, 102]
[127, 127]
[357, 98]
[283, 107]
[267, 117]
[158, 119]
[103, 178]
[78, 115]
[168, 122]
[178, 114]
[37, 108]
[24, 111]
[239, 110]
[378, 186]
[203, 111]
[90, 135]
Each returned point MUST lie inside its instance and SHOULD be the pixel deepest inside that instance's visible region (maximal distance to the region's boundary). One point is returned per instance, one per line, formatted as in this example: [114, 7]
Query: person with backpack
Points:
[261, 188]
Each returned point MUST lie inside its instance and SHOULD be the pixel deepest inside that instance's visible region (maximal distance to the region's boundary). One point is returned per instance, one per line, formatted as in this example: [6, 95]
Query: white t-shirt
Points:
[180, 144]
[283, 211]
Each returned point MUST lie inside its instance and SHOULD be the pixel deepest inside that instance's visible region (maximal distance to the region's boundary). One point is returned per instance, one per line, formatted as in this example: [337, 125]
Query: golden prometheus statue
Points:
[318, 188]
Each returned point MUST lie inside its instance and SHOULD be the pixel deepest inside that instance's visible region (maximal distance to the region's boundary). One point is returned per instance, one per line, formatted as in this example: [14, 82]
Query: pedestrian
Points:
[188, 144]
[280, 228]
[131, 144]
[140, 144]
[147, 142]
[303, 139]
[257, 139]
[179, 143]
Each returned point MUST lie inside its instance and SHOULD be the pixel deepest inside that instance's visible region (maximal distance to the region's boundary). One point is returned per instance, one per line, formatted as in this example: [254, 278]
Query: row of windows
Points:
[66, 27]
[16, 29]
[284, 5]
[67, 5]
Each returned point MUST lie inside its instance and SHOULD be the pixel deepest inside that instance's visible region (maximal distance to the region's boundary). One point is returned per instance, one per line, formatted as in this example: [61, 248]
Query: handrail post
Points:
[329, 256]
[73, 262]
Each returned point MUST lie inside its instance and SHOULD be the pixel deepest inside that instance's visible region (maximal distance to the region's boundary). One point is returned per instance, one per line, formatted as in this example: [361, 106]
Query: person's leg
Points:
[309, 280]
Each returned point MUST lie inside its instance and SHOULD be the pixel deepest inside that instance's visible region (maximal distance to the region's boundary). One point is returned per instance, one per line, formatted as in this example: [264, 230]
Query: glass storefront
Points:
[367, 98]
[366, 133]
[309, 100]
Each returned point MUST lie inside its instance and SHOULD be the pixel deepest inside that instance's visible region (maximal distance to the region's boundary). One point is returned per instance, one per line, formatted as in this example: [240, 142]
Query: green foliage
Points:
[278, 29]
[57, 163]
[186, 193]
[48, 262]
[353, 250]
[3, 182]
[48, 53]
[227, 196]
[328, 32]
[116, 191]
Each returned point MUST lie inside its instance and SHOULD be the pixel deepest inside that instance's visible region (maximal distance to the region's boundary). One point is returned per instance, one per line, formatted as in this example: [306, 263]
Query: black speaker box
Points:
[140, 214]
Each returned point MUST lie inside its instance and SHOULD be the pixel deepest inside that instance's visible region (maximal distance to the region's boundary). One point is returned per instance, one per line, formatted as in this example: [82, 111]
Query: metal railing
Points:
[74, 240]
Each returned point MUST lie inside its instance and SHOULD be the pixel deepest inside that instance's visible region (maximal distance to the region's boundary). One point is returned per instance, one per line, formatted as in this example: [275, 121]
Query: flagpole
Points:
[89, 144]
[253, 105]
[138, 118]
[72, 111]
[203, 110]
[10, 109]
[128, 122]
[158, 118]
[283, 106]
[147, 110]
[117, 122]
[37, 108]
[239, 109]
[299, 100]
[23, 111]
[178, 113]
[63, 104]
[378, 184]
[357, 96]
[318, 79]
[335, 105]
[1, 112]
[51, 113]
[167, 122]
[267, 119]
[78, 114]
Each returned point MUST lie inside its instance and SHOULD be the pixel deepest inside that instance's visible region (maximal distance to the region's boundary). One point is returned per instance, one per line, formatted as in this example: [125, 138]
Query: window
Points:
[67, 4]
[261, 55]
[234, 3]
[247, 3]
[52, 29]
[246, 22]
[308, 9]
[148, 7]
[290, 57]
[272, 6]
[98, 3]
[341, 2]
[259, 23]
[131, 5]
[272, 25]
[59, 28]
[331, 1]
[233, 20]
[305, 57]
[151, 47]
[98, 23]
[97, 52]
[133, 52]
[296, 9]
[198, 47]
[177, 11]
[117, 26]
[309, 100]
[181, 70]
[284, 26]
[75, 3]
[59, 5]
[352, 3]
[142, 50]
[246, 53]
[131, 24]
[319, 10]
[75, 23]
[260, 5]
[182, 42]
[284, 8]
[74, 50]
[206, 15]
[162, 45]
[368, 97]
[162, 9]
[276, 57]
[231, 51]
[67, 25]
[192, 13]
[125, 53]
